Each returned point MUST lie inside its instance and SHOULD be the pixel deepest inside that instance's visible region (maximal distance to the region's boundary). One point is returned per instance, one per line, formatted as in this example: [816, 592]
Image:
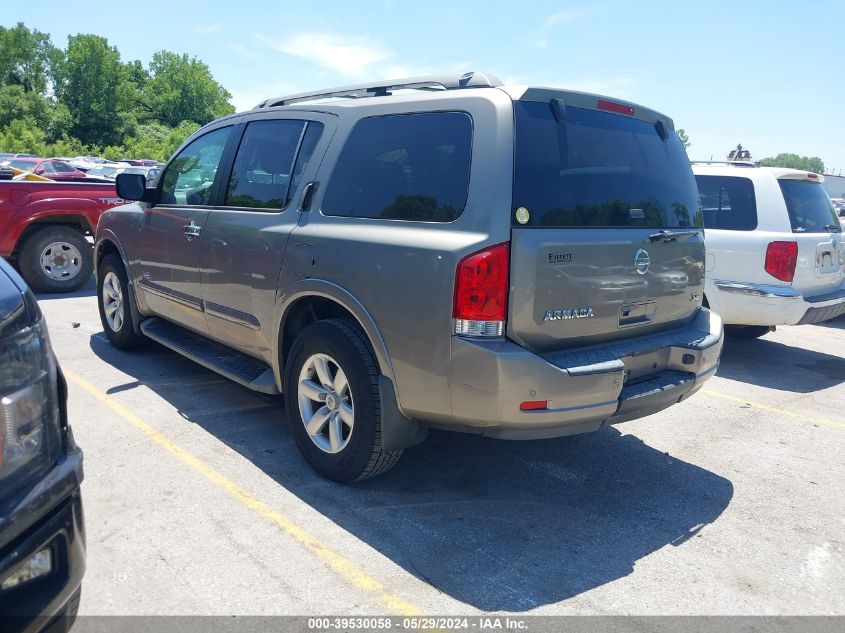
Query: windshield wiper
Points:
[833, 228]
[672, 236]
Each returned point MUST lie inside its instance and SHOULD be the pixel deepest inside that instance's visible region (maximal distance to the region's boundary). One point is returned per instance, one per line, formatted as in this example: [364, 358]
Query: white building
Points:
[835, 186]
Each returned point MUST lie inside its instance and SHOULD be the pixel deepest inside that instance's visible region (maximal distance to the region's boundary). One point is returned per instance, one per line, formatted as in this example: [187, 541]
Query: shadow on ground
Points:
[770, 364]
[497, 525]
[88, 290]
[837, 323]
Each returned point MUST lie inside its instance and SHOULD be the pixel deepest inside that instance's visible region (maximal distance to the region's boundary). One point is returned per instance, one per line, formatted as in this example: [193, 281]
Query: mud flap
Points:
[397, 431]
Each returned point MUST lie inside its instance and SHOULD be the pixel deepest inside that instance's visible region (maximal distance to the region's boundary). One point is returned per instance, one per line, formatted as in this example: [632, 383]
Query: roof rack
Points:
[384, 87]
[738, 163]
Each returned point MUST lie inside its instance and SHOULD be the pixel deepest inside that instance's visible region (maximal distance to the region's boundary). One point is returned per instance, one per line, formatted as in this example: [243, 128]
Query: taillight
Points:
[612, 106]
[481, 292]
[533, 405]
[781, 258]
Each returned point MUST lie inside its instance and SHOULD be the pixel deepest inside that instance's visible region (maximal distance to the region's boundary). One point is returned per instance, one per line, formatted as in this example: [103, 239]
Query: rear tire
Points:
[747, 331]
[331, 378]
[113, 303]
[56, 259]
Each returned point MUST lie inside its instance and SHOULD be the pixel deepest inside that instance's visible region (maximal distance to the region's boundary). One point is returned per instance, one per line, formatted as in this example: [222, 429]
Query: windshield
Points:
[810, 210]
[598, 169]
[102, 171]
[25, 165]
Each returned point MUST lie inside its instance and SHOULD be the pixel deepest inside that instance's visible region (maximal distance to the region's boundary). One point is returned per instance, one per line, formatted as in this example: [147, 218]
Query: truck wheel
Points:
[56, 259]
[113, 302]
[333, 402]
[747, 331]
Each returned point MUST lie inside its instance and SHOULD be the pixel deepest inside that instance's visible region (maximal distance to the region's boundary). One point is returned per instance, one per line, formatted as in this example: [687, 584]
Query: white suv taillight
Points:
[481, 292]
[781, 258]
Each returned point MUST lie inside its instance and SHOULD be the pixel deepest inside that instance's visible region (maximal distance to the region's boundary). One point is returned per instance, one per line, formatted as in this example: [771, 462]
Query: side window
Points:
[188, 179]
[261, 175]
[62, 168]
[46, 168]
[306, 151]
[727, 202]
[403, 167]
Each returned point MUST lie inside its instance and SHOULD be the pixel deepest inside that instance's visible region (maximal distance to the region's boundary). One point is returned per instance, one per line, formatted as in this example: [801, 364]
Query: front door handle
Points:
[192, 230]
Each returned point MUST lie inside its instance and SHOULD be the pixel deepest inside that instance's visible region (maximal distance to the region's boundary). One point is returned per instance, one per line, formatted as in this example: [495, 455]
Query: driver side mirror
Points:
[134, 187]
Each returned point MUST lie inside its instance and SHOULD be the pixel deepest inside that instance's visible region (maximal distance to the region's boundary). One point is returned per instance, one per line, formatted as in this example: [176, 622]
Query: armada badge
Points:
[568, 313]
[642, 261]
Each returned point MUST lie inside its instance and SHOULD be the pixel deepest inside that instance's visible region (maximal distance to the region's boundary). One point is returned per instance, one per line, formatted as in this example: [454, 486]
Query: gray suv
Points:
[439, 252]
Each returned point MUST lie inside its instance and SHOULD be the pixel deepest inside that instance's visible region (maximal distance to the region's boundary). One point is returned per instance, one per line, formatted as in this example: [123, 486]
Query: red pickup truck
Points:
[44, 228]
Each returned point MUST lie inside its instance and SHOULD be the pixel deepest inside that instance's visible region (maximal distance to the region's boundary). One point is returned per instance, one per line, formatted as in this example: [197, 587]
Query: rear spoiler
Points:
[589, 101]
[801, 175]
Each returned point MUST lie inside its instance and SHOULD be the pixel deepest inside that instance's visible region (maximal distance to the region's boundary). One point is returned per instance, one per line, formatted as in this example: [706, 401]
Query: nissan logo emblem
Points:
[642, 261]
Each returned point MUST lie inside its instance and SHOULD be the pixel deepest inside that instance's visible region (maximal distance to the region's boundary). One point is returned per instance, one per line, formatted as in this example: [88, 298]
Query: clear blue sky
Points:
[768, 74]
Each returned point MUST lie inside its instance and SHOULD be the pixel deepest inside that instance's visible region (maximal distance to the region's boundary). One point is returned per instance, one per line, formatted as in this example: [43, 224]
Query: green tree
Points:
[25, 58]
[794, 161]
[70, 146]
[182, 88]
[16, 103]
[682, 135]
[88, 81]
[23, 136]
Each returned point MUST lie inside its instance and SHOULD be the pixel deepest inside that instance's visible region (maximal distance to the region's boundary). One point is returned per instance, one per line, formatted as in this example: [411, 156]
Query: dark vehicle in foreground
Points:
[42, 532]
[44, 228]
[440, 252]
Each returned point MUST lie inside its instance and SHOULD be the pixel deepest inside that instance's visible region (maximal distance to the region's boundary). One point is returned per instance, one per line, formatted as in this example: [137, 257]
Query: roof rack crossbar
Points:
[382, 88]
[738, 163]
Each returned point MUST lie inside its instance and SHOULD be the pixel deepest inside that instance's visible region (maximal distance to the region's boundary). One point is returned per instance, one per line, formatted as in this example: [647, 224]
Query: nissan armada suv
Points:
[427, 253]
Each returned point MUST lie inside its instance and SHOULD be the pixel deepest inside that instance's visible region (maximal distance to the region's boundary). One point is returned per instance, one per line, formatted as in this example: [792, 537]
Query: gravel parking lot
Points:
[198, 502]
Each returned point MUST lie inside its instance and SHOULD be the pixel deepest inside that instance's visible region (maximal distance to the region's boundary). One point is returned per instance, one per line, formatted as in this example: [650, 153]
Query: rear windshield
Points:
[25, 165]
[598, 169]
[810, 210]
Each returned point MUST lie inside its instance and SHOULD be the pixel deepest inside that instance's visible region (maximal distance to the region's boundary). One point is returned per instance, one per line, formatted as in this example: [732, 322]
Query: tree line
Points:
[83, 99]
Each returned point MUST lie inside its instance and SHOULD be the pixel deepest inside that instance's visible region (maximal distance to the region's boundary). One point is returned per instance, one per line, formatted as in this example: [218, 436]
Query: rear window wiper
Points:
[833, 228]
[672, 236]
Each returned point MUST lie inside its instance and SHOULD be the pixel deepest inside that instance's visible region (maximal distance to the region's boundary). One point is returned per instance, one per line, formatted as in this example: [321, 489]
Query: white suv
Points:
[775, 253]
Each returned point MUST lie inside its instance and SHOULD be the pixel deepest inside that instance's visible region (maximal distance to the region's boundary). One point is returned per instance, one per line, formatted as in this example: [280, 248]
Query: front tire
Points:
[56, 259]
[333, 402]
[113, 303]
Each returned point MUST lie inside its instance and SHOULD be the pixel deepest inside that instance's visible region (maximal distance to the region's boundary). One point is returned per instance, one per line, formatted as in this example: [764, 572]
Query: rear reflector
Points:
[533, 405]
[481, 292]
[612, 106]
[781, 258]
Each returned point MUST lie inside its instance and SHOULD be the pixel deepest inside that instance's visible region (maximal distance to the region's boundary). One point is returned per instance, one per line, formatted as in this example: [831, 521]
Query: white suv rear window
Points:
[810, 210]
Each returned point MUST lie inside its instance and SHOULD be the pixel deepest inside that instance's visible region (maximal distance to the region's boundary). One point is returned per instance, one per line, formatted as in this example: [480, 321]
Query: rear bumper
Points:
[743, 303]
[585, 388]
[48, 603]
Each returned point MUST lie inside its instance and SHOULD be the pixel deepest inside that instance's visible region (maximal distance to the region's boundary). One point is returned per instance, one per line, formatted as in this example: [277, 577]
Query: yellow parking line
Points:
[765, 407]
[343, 566]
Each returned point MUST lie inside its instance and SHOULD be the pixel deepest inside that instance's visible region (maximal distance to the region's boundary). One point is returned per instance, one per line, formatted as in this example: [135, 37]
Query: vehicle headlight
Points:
[30, 420]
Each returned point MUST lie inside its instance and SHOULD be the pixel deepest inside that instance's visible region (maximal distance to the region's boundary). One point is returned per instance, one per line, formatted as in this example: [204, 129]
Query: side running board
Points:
[245, 370]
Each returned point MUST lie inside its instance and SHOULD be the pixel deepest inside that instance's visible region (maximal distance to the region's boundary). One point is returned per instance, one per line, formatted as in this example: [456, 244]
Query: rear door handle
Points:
[308, 195]
[192, 230]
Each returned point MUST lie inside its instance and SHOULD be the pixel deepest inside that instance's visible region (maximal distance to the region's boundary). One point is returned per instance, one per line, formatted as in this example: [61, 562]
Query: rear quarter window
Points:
[727, 202]
[412, 167]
